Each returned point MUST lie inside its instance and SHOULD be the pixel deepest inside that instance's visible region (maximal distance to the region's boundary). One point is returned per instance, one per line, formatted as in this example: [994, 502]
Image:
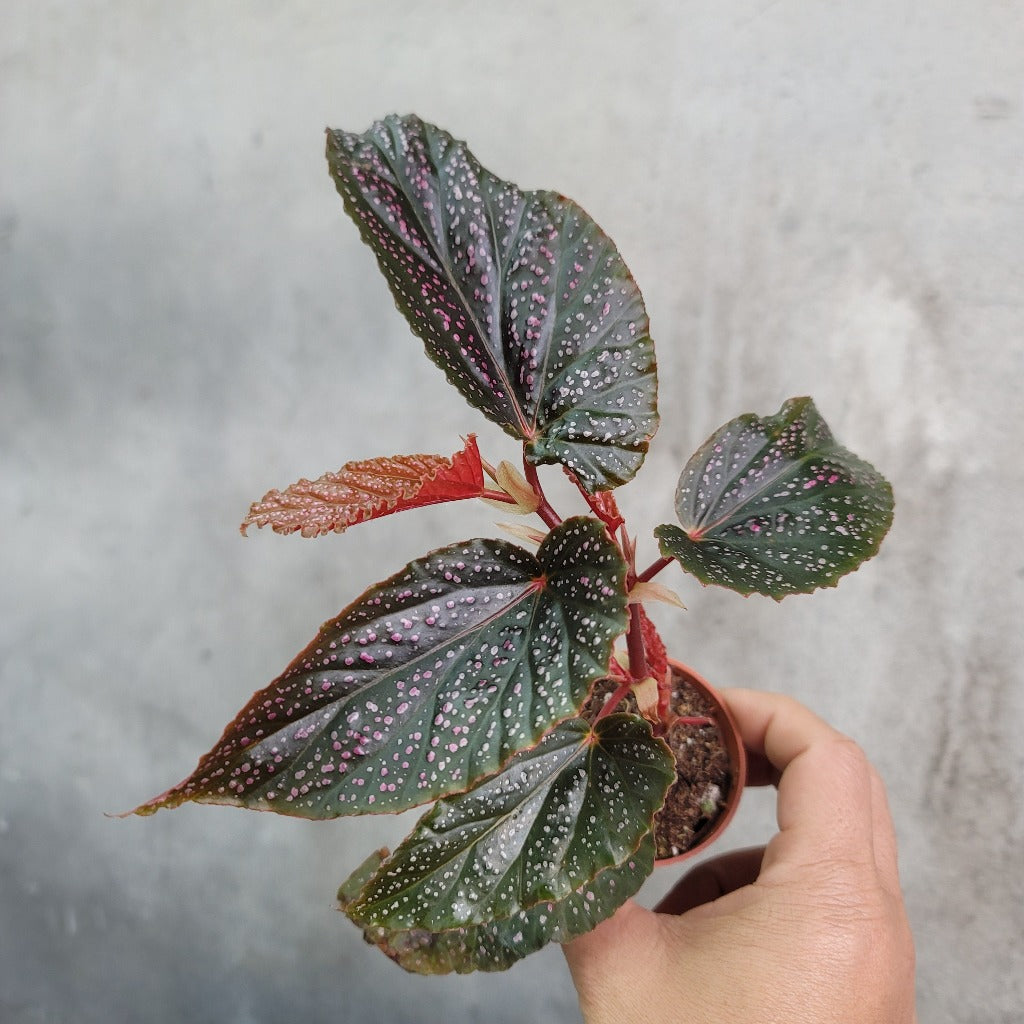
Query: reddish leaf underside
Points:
[369, 489]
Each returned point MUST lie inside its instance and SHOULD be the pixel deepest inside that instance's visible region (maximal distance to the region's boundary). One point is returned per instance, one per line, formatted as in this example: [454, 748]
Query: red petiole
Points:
[653, 569]
[635, 647]
[544, 510]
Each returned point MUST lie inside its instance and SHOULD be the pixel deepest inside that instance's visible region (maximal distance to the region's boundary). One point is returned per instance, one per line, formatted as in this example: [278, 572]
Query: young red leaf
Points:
[368, 490]
[602, 503]
[607, 508]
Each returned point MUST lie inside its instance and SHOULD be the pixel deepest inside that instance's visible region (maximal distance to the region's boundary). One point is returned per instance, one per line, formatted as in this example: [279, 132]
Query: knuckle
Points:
[848, 754]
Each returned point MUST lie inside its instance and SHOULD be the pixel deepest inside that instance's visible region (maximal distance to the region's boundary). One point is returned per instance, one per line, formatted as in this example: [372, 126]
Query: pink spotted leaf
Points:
[774, 505]
[497, 945]
[555, 817]
[426, 683]
[519, 297]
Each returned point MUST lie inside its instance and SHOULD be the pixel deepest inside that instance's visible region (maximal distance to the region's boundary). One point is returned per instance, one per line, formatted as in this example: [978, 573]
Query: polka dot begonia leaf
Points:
[428, 682]
[560, 813]
[776, 506]
[498, 944]
[519, 297]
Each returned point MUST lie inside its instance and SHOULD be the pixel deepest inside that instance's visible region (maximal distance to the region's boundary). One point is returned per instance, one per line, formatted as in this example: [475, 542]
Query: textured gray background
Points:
[821, 198]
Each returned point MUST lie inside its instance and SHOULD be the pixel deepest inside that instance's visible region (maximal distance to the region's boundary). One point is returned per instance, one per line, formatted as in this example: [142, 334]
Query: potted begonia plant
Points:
[520, 688]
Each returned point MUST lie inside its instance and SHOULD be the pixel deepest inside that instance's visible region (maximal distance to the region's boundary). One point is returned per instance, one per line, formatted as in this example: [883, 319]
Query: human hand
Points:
[807, 930]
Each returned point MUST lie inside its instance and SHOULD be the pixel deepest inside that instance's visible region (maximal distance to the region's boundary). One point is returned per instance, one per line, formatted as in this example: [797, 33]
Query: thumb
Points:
[712, 879]
[615, 966]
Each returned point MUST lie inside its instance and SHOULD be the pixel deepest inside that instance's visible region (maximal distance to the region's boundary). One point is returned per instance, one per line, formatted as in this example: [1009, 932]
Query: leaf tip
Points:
[171, 798]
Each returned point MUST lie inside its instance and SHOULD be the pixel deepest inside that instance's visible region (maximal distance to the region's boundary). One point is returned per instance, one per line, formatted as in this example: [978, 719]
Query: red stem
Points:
[637, 663]
[653, 569]
[498, 496]
[615, 699]
[635, 645]
[544, 510]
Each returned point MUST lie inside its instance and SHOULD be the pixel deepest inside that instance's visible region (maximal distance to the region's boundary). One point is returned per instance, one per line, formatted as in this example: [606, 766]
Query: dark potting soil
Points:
[703, 779]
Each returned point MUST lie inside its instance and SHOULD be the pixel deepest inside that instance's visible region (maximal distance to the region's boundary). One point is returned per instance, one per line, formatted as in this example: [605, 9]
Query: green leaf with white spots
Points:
[556, 816]
[519, 297]
[428, 682]
[776, 506]
[497, 945]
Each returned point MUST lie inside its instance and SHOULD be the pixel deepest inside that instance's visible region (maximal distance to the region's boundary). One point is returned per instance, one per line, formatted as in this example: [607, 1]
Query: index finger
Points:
[824, 803]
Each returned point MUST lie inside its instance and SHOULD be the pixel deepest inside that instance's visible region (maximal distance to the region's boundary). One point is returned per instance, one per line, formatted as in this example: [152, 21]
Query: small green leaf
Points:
[497, 945]
[775, 506]
[428, 682]
[519, 297]
[557, 815]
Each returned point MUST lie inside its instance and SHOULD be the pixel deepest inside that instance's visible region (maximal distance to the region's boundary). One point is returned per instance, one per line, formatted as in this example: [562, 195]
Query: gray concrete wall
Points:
[821, 198]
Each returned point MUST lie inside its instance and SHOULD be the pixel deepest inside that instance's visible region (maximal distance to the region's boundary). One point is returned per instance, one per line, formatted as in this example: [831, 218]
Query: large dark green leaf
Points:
[497, 945]
[428, 682]
[557, 815]
[518, 296]
[775, 506]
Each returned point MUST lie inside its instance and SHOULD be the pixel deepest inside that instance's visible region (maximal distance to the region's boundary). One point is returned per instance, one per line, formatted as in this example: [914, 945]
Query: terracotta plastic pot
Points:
[737, 760]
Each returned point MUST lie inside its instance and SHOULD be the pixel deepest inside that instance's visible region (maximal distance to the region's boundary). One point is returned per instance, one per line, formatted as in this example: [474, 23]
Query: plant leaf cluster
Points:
[462, 680]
